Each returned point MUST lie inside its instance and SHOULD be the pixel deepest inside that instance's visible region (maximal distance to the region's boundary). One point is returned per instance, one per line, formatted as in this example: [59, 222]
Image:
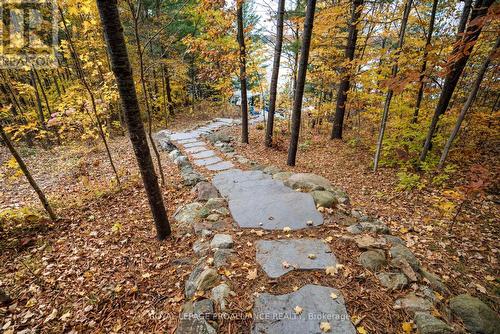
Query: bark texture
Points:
[467, 104]
[350, 49]
[27, 174]
[275, 73]
[243, 75]
[120, 64]
[390, 91]
[459, 57]
[301, 80]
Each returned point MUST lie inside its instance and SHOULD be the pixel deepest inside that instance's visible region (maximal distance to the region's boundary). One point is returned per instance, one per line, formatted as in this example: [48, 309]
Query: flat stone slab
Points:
[186, 141]
[194, 144]
[276, 315]
[207, 161]
[196, 149]
[258, 201]
[184, 135]
[220, 166]
[298, 254]
[203, 154]
[225, 120]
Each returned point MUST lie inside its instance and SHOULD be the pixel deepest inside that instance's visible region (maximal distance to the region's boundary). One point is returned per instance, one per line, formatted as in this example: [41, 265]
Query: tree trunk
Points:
[117, 49]
[168, 90]
[43, 91]
[460, 55]
[81, 76]
[462, 24]
[301, 79]
[275, 74]
[140, 55]
[468, 103]
[420, 93]
[243, 79]
[37, 100]
[27, 173]
[390, 91]
[350, 49]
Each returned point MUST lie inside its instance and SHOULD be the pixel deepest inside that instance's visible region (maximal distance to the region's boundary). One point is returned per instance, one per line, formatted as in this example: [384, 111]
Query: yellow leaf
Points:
[285, 264]
[31, 302]
[438, 296]
[297, 309]
[325, 327]
[286, 229]
[407, 327]
[334, 295]
[435, 313]
[311, 256]
[361, 330]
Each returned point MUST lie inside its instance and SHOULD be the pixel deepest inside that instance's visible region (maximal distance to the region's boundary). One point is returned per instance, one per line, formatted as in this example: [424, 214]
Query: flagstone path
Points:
[256, 200]
[259, 201]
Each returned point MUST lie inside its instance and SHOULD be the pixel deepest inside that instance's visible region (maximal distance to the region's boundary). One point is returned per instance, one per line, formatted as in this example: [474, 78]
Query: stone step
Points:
[279, 314]
[278, 257]
[220, 166]
[258, 201]
[207, 161]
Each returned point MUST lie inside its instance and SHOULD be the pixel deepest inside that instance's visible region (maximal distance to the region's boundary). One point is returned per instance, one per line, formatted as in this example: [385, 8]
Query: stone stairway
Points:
[268, 199]
[258, 201]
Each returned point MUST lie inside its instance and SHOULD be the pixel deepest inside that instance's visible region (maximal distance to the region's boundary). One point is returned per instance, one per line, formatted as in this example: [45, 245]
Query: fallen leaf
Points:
[311, 256]
[285, 264]
[407, 327]
[480, 288]
[334, 295]
[65, 316]
[31, 302]
[325, 327]
[286, 229]
[331, 270]
[438, 296]
[298, 309]
[252, 274]
[361, 330]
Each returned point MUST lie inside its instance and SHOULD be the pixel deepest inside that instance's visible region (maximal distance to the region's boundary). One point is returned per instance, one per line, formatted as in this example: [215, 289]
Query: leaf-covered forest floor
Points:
[101, 270]
[464, 251]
